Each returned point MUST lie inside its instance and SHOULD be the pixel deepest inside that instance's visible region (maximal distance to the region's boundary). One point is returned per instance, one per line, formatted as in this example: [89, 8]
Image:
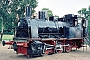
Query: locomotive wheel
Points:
[68, 49]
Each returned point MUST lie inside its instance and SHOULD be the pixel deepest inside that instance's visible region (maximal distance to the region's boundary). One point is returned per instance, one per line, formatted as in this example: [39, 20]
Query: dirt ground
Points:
[9, 54]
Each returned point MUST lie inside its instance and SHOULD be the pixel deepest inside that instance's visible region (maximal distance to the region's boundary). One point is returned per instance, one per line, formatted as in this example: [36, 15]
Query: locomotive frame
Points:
[55, 36]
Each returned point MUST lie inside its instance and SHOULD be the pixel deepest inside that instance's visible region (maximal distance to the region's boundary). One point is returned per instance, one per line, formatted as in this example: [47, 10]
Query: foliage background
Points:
[11, 11]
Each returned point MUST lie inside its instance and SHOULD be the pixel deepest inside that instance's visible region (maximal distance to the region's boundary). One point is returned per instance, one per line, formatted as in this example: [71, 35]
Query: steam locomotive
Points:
[48, 36]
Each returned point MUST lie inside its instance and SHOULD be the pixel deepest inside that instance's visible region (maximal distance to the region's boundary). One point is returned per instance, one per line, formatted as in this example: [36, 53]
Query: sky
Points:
[62, 7]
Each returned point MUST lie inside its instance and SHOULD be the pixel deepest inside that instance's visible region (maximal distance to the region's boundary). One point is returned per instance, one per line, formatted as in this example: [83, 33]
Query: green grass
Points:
[7, 37]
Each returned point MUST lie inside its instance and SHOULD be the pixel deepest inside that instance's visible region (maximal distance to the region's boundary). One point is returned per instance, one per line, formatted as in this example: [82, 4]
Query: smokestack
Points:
[43, 15]
[28, 11]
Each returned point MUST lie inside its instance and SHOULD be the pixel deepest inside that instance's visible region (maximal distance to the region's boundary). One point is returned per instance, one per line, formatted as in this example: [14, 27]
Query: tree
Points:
[10, 9]
[56, 16]
[3, 13]
[49, 12]
[80, 12]
[83, 12]
[89, 10]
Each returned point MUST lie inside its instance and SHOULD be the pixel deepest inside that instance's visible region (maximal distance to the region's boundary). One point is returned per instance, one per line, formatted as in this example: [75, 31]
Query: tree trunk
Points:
[1, 34]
